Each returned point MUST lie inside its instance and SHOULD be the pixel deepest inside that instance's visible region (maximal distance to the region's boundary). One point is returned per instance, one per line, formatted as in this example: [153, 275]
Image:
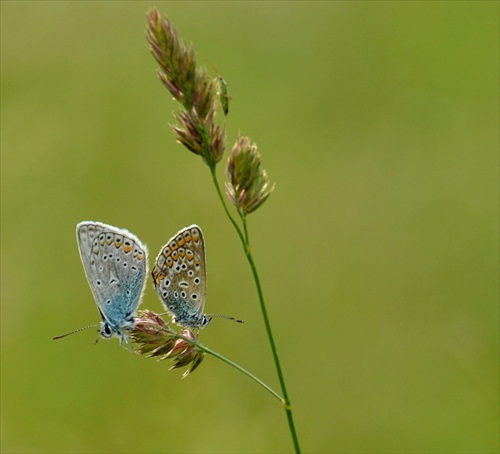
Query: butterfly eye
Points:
[106, 331]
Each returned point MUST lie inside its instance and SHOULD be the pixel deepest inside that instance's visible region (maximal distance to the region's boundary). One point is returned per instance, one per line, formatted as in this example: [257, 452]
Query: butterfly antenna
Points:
[73, 332]
[226, 317]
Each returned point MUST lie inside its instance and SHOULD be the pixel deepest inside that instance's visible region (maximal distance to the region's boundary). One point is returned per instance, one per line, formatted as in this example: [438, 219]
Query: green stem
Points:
[246, 246]
[286, 401]
[244, 238]
[244, 220]
[221, 198]
[235, 365]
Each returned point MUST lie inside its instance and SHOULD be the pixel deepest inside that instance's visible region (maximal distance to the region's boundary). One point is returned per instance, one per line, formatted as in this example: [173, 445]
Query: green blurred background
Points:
[378, 250]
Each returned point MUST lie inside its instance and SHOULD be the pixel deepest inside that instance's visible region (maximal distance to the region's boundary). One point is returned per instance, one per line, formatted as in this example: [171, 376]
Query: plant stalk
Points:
[246, 247]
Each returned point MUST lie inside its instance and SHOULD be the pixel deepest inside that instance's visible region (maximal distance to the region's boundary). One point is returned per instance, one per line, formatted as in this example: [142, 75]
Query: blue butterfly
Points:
[115, 262]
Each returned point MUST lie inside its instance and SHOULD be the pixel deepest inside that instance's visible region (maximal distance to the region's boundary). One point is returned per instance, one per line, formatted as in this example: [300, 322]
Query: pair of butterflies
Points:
[116, 265]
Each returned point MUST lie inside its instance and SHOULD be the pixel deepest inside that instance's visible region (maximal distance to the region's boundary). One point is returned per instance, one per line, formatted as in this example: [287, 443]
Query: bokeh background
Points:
[378, 249]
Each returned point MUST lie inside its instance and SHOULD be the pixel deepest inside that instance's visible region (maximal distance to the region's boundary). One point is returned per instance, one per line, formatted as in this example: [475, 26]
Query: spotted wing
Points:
[115, 263]
[179, 276]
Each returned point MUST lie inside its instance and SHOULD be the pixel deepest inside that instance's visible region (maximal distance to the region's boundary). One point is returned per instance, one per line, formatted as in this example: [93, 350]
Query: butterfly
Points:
[179, 278]
[115, 263]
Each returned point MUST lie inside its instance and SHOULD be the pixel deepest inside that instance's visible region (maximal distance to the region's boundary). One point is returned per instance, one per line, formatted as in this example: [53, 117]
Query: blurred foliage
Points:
[378, 249]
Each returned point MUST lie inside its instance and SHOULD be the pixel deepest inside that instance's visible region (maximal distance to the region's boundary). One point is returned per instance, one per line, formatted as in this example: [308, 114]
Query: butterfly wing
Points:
[179, 277]
[115, 263]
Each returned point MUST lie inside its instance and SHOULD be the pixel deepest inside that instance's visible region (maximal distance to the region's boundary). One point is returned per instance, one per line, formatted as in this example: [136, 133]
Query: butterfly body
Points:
[115, 263]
